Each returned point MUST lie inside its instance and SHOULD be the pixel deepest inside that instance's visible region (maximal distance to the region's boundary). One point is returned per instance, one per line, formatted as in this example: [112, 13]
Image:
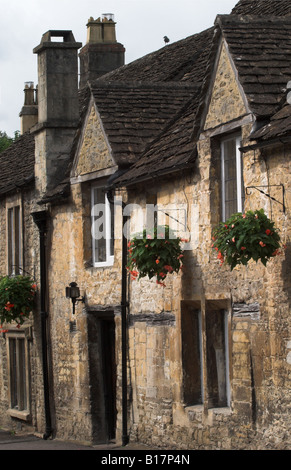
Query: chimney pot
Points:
[102, 53]
[107, 17]
[102, 30]
[29, 112]
[29, 94]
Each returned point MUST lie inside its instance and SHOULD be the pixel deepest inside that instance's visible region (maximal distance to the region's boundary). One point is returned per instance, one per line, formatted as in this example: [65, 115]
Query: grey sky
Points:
[141, 26]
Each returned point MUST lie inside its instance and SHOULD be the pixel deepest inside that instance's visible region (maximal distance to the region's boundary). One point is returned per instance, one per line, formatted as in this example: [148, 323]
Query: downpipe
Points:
[40, 219]
[124, 306]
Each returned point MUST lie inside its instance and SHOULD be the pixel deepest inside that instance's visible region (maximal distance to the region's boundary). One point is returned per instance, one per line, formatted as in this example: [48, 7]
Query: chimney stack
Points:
[29, 112]
[58, 79]
[58, 106]
[102, 53]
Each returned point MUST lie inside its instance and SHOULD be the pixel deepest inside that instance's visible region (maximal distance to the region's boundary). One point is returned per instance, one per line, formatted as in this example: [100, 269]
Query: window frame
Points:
[14, 228]
[197, 389]
[239, 173]
[22, 389]
[109, 221]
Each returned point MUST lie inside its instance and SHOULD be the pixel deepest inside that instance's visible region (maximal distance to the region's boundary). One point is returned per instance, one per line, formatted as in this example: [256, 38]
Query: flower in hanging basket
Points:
[17, 296]
[244, 237]
[156, 252]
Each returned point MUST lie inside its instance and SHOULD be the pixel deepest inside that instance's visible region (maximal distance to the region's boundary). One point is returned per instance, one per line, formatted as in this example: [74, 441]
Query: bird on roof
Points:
[166, 39]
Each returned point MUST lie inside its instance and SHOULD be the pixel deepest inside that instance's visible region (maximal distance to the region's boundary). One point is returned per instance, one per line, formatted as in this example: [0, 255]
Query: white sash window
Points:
[102, 216]
[231, 176]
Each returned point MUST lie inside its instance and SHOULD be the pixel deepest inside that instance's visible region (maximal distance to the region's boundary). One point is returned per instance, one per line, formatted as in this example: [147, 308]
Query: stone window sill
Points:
[200, 408]
[23, 415]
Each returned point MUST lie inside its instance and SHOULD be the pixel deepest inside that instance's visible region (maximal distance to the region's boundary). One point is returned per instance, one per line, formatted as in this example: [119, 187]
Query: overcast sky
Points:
[141, 26]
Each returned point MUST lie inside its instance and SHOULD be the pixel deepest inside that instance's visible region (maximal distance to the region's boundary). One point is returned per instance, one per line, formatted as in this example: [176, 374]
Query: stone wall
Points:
[35, 421]
[259, 299]
[259, 333]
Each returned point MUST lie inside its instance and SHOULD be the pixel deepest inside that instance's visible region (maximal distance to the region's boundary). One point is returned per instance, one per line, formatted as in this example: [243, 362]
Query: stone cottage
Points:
[195, 131]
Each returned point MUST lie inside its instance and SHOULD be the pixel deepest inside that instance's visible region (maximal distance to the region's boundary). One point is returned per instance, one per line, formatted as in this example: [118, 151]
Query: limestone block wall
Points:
[35, 421]
[259, 339]
[69, 250]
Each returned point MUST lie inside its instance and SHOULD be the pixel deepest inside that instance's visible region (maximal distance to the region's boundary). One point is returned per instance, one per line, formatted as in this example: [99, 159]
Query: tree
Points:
[6, 141]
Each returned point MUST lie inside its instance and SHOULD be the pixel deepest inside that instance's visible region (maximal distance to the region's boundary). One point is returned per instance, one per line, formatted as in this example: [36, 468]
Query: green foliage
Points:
[6, 141]
[155, 253]
[16, 299]
[244, 237]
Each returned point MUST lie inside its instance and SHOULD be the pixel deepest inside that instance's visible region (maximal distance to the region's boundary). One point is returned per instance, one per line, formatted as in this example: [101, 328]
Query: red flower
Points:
[157, 261]
[9, 306]
[220, 255]
[262, 244]
[268, 231]
[168, 268]
[243, 248]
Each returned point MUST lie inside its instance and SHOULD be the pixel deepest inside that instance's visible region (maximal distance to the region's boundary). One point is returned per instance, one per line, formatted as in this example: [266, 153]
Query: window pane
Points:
[99, 225]
[10, 240]
[22, 375]
[13, 373]
[216, 359]
[103, 232]
[230, 181]
[17, 238]
[192, 356]
[18, 380]
[14, 240]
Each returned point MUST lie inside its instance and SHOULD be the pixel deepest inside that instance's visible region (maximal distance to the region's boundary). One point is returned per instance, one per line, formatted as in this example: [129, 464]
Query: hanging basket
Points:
[245, 237]
[155, 253]
[17, 296]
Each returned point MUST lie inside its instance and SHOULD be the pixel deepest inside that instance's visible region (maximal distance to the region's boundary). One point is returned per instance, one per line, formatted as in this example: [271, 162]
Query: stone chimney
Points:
[102, 53]
[58, 106]
[29, 112]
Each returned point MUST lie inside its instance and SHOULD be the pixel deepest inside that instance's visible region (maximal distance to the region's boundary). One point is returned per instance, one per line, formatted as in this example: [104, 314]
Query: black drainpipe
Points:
[40, 219]
[124, 305]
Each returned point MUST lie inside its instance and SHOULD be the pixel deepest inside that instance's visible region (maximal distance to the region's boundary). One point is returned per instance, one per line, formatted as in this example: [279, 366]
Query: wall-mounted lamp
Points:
[73, 292]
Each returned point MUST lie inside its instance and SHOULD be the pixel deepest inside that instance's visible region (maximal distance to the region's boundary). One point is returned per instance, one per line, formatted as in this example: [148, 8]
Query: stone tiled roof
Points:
[17, 164]
[133, 114]
[184, 60]
[263, 7]
[170, 152]
[261, 50]
[279, 127]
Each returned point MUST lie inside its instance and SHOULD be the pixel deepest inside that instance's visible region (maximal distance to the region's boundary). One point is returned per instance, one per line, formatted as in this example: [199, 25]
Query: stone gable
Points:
[226, 102]
[93, 144]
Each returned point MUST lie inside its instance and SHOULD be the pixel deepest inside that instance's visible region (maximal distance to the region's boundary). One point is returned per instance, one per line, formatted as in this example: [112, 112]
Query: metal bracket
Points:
[268, 195]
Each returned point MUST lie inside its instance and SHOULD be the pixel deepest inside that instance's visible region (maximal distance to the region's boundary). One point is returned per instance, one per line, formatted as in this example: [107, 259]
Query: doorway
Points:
[102, 367]
[109, 374]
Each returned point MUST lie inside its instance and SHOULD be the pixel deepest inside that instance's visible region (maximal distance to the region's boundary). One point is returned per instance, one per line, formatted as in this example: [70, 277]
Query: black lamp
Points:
[73, 292]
